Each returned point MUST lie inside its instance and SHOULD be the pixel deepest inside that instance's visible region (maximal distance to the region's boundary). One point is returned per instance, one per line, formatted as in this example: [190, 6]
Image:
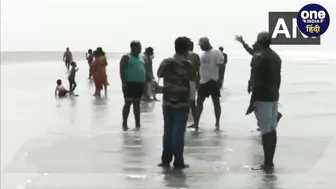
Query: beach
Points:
[78, 142]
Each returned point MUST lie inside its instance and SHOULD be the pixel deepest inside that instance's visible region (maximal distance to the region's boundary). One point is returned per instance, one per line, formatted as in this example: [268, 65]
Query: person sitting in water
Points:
[60, 91]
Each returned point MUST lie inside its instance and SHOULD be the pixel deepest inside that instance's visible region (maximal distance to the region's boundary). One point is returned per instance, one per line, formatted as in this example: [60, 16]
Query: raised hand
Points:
[239, 38]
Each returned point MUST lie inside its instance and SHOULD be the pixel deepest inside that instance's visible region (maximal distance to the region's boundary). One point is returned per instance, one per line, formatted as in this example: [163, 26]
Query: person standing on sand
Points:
[97, 74]
[222, 69]
[133, 78]
[211, 60]
[265, 81]
[89, 58]
[195, 61]
[177, 72]
[255, 48]
[148, 58]
[67, 58]
[102, 61]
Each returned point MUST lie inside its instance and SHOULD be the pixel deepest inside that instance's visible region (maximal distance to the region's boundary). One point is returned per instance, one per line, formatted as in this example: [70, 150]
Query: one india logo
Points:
[313, 20]
[313, 17]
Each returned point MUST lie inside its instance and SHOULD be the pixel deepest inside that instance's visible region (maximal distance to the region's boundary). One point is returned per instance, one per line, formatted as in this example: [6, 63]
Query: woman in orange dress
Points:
[97, 75]
[103, 64]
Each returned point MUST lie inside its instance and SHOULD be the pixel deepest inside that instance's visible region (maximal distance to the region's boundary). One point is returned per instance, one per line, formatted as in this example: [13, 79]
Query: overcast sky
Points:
[112, 24]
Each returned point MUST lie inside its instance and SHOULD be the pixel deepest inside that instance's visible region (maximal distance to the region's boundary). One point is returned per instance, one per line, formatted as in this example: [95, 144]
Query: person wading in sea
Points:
[265, 81]
[222, 69]
[89, 58]
[67, 58]
[177, 72]
[133, 78]
[211, 60]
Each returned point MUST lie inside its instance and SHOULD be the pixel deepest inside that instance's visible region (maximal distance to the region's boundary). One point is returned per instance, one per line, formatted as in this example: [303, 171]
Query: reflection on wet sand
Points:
[174, 178]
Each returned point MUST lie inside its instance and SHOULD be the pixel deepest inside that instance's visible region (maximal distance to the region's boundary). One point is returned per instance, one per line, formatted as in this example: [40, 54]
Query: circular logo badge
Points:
[313, 20]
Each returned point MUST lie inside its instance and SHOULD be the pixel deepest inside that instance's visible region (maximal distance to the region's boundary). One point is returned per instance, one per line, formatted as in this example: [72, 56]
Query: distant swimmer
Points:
[223, 68]
[89, 58]
[133, 78]
[67, 58]
[71, 78]
[60, 91]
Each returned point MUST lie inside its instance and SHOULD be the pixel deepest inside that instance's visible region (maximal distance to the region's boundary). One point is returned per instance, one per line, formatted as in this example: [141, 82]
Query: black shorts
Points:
[133, 90]
[210, 88]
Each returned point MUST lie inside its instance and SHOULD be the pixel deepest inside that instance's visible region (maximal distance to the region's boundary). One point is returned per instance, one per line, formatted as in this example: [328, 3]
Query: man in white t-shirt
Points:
[211, 60]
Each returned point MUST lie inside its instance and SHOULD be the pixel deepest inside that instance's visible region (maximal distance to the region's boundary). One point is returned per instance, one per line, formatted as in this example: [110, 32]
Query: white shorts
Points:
[192, 90]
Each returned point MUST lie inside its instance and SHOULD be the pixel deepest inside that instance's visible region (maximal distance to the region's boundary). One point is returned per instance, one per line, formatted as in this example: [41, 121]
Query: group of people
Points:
[97, 71]
[188, 80]
[136, 73]
[97, 62]
[186, 73]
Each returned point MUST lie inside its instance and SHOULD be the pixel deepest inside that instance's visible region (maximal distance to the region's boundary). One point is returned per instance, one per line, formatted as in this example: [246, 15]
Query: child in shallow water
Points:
[60, 91]
[72, 75]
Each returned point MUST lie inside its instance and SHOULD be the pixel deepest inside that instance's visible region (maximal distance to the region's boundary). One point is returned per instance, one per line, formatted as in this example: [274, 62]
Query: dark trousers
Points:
[175, 123]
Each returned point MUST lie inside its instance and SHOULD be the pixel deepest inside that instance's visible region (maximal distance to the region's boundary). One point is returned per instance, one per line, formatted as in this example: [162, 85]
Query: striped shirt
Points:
[176, 72]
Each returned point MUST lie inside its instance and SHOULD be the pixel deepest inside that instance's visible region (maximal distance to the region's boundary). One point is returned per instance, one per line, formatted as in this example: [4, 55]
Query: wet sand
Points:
[78, 142]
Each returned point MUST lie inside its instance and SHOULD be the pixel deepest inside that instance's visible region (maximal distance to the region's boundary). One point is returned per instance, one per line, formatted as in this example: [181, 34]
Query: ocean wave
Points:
[293, 56]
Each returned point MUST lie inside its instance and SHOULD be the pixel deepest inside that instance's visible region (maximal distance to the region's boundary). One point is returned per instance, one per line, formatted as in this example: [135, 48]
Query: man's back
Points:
[68, 56]
[266, 75]
[209, 65]
[176, 73]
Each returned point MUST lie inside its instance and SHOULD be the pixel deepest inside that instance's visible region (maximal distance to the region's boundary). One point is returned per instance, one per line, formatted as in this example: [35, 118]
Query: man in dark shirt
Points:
[89, 58]
[265, 81]
[255, 48]
[222, 69]
[177, 72]
[67, 58]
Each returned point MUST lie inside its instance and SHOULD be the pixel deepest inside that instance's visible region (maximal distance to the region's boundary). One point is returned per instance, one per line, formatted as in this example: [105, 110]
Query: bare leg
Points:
[136, 111]
[217, 108]
[125, 113]
[199, 110]
[105, 90]
[192, 104]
